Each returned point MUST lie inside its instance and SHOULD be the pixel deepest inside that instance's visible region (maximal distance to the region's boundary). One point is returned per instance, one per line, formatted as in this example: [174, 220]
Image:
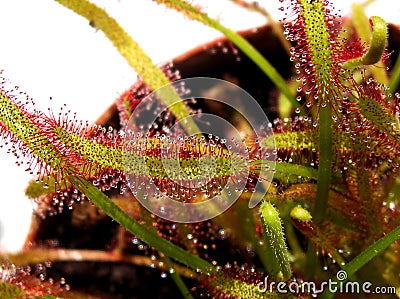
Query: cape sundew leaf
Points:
[29, 144]
[274, 237]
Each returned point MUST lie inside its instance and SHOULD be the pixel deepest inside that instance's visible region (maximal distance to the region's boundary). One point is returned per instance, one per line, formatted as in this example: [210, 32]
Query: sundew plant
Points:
[317, 212]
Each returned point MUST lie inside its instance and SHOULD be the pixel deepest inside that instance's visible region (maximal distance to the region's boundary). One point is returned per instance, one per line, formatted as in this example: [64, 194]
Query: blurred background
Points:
[50, 52]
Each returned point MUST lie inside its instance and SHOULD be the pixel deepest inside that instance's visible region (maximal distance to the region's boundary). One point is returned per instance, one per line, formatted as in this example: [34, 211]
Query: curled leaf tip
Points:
[377, 46]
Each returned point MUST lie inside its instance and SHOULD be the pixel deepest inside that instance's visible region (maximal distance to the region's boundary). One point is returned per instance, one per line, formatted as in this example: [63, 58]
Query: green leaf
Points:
[17, 121]
[363, 258]
[376, 48]
[195, 14]
[140, 231]
[380, 117]
[10, 291]
[275, 239]
[361, 23]
[292, 140]
[178, 280]
[134, 55]
[395, 77]
[223, 285]
[295, 169]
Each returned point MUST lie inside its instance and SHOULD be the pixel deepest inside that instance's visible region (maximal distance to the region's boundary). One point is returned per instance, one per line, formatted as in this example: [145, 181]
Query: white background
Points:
[49, 51]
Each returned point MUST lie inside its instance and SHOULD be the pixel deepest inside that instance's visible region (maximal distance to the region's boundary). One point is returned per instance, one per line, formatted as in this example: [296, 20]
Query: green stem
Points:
[324, 163]
[324, 178]
[195, 14]
[276, 26]
[134, 55]
[363, 258]
[311, 260]
[141, 232]
[178, 280]
[293, 241]
[248, 227]
[319, 41]
[395, 77]
[175, 275]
